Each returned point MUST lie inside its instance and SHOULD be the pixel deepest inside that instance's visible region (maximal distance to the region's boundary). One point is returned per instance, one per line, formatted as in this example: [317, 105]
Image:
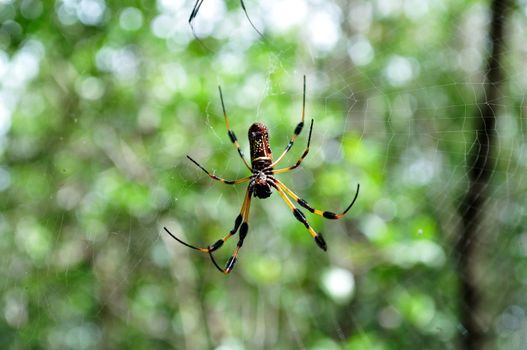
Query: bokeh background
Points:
[100, 102]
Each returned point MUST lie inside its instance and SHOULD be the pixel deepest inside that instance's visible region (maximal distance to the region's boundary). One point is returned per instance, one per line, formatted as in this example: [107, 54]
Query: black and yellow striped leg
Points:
[244, 228]
[231, 134]
[298, 129]
[303, 203]
[299, 161]
[219, 243]
[216, 245]
[212, 176]
[319, 240]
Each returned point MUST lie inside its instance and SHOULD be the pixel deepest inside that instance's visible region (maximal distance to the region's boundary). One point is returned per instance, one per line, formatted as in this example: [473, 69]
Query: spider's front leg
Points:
[214, 177]
[302, 157]
[296, 132]
[231, 134]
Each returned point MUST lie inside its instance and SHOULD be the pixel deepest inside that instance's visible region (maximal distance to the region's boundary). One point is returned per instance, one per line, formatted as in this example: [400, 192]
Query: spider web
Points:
[416, 127]
[394, 109]
[420, 138]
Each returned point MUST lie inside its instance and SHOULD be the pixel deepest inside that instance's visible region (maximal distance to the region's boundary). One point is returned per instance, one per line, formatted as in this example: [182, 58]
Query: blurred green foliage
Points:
[101, 101]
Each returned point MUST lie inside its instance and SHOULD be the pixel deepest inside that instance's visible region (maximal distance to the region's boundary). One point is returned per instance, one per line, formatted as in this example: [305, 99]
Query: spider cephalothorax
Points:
[262, 185]
[261, 181]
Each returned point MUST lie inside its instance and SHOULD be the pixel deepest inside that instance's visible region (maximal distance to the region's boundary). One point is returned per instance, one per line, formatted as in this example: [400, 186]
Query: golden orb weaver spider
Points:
[261, 181]
[197, 6]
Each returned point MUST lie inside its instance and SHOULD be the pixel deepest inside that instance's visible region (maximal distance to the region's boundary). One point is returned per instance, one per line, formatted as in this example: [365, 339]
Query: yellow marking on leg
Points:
[292, 207]
[296, 198]
[231, 133]
[298, 129]
[323, 213]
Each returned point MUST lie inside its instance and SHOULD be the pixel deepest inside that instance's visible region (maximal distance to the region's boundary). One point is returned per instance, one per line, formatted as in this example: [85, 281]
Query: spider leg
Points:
[249, 19]
[228, 182]
[204, 250]
[303, 203]
[297, 131]
[231, 134]
[319, 240]
[244, 228]
[216, 244]
[219, 243]
[193, 14]
[299, 161]
[195, 11]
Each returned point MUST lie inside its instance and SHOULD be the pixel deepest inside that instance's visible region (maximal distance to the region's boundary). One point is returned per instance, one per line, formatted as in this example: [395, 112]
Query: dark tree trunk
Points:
[480, 165]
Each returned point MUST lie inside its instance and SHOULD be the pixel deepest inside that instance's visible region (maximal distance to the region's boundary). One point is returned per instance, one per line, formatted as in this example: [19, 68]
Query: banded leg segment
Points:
[231, 134]
[298, 129]
[303, 203]
[212, 176]
[319, 240]
[219, 243]
[244, 228]
[299, 161]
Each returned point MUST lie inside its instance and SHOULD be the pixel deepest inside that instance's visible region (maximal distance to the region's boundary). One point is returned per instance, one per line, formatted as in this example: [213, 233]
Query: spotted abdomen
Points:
[261, 156]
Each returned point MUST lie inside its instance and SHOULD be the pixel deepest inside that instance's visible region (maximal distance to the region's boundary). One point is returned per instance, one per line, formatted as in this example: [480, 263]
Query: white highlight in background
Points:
[324, 29]
[91, 12]
[5, 118]
[400, 70]
[285, 14]
[339, 284]
[131, 19]
[360, 51]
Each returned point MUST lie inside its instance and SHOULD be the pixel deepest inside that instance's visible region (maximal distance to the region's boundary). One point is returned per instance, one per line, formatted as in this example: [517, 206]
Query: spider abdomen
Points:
[261, 155]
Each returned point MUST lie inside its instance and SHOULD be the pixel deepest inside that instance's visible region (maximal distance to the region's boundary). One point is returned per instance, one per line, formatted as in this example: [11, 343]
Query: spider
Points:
[197, 6]
[261, 182]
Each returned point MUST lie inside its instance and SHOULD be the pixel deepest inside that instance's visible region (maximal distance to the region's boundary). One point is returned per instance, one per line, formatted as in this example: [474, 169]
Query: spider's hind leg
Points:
[323, 213]
[319, 240]
[244, 228]
[239, 223]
